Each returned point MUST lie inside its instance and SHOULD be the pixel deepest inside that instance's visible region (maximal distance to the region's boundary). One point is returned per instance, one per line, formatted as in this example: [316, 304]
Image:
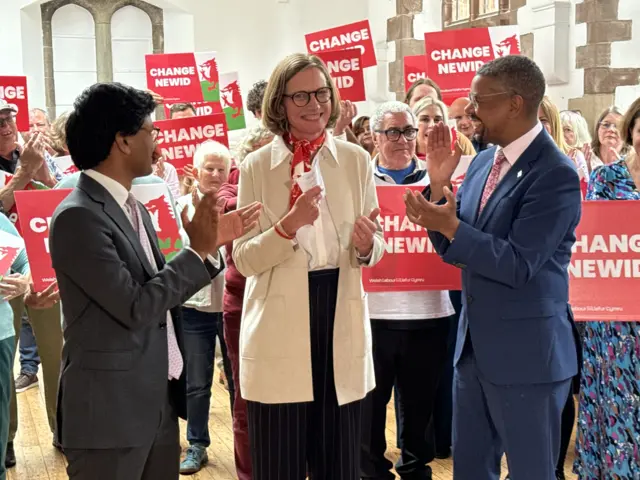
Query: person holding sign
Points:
[122, 385]
[305, 339]
[510, 231]
[409, 329]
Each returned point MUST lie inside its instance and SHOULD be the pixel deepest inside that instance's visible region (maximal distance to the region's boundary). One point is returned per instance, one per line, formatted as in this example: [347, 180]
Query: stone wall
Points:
[600, 79]
[102, 11]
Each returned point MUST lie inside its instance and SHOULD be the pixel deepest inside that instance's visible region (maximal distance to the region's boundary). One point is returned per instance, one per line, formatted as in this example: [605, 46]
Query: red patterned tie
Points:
[492, 181]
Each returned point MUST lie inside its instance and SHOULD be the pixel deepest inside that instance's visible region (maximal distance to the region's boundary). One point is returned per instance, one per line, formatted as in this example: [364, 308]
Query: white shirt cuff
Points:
[215, 261]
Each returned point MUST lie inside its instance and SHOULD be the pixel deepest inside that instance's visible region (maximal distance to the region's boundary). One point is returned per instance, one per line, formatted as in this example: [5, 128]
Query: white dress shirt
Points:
[323, 249]
[515, 149]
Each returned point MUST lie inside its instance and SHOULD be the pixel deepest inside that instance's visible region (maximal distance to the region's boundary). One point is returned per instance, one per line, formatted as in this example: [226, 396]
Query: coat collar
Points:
[280, 151]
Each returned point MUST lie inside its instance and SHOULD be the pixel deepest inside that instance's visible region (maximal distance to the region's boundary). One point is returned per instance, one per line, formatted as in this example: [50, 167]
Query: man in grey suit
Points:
[122, 383]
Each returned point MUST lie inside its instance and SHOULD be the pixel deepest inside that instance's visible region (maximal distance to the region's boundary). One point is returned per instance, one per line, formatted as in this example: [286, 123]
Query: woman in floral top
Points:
[608, 437]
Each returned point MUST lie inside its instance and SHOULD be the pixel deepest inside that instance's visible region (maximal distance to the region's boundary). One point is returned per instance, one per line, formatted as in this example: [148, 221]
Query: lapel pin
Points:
[519, 174]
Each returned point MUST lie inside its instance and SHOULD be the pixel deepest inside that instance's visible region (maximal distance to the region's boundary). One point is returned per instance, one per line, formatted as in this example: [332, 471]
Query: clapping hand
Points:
[305, 211]
[238, 222]
[348, 112]
[437, 218]
[441, 161]
[202, 229]
[364, 231]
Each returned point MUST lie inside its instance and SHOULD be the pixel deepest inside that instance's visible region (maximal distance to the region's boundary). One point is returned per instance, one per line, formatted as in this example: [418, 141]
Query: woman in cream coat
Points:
[305, 340]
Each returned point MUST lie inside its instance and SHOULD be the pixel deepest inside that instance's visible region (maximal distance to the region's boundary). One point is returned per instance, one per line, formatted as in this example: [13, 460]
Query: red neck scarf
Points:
[303, 151]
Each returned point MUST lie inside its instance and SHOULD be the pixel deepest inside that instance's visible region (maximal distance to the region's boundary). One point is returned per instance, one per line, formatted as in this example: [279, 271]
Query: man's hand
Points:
[235, 224]
[363, 232]
[437, 218]
[42, 300]
[32, 158]
[203, 227]
[348, 112]
[13, 286]
[158, 168]
[441, 161]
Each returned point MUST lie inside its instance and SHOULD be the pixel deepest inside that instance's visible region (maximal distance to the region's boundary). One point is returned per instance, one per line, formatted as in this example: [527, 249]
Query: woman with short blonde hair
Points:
[305, 339]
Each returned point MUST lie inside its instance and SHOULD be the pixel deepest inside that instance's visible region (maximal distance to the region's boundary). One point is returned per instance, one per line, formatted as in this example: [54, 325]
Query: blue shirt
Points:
[398, 175]
[20, 265]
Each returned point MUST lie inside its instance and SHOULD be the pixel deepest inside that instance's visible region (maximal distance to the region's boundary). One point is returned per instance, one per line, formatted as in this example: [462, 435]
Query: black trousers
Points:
[319, 438]
[159, 460]
[412, 359]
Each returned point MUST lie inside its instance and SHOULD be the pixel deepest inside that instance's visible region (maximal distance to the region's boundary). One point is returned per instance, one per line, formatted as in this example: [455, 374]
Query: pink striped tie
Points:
[176, 363]
[493, 179]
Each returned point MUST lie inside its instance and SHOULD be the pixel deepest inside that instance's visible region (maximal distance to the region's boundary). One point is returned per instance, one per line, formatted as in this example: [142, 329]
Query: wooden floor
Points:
[39, 460]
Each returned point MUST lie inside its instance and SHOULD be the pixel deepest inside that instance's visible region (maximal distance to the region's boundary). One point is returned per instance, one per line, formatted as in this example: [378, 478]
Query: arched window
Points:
[131, 40]
[72, 30]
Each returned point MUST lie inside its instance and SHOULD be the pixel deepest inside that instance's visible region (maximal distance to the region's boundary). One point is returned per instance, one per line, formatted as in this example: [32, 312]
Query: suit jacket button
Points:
[469, 299]
[162, 325]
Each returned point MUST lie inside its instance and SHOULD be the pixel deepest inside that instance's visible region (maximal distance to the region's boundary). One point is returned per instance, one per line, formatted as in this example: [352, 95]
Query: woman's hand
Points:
[304, 212]
[363, 232]
[13, 286]
[348, 112]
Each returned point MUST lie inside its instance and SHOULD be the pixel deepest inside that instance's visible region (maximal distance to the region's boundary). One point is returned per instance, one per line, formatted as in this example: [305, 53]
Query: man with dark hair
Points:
[182, 110]
[510, 231]
[254, 98]
[122, 387]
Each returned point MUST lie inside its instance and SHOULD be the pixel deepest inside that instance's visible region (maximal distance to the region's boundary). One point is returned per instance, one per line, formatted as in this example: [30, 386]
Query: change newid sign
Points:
[345, 68]
[355, 35]
[13, 89]
[454, 56]
[415, 68]
[179, 137]
[184, 77]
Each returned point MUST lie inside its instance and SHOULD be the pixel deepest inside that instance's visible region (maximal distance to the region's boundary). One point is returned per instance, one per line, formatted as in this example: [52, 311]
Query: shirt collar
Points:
[116, 189]
[515, 149]
[280, 151]
[418, 165]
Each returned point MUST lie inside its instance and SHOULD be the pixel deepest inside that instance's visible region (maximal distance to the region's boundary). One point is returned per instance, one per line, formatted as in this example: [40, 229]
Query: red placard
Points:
[410, 262]
[14, 90]
[454, 56]
[354, 35]
[605, 265]
[345, 67]
[36, 209]
[202, 108]
[179, 138]
[415, 68]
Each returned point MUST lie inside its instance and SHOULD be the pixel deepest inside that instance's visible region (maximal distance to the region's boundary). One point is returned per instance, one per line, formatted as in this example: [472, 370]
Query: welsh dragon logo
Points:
[509, 46]
[209, 71]
[164, 222]
[232, 98]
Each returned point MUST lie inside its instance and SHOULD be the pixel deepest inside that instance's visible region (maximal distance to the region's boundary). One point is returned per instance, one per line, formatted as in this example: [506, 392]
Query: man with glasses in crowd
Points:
[409, 329]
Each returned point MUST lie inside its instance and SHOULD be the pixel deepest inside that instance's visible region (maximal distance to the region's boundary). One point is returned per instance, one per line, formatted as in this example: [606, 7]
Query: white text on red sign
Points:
[468, 54]
[9, 92]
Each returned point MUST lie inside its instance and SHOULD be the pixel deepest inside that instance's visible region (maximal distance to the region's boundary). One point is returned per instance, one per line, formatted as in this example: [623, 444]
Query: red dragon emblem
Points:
[70, 170]
[509, 46]
[232, 98]
[7, 255]
[209, 71]
[164, 222]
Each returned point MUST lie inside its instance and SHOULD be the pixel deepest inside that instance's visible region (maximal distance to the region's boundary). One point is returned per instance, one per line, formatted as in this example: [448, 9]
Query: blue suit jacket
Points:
[514, 259]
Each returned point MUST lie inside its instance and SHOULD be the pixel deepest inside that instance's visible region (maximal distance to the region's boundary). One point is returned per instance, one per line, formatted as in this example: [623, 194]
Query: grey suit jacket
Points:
[113, 381]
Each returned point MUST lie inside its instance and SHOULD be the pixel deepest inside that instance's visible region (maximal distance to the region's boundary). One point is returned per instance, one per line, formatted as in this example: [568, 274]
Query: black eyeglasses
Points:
[393, 134]
[7, 120]
[302, 98]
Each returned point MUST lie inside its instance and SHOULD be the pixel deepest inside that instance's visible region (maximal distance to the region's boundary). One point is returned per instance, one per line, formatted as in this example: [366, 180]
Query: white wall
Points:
[625, 54]
[131, 40]
[74, 54]
[556, 37]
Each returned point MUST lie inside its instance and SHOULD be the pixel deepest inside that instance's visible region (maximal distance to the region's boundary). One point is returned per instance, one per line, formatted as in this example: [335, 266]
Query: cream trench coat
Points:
[275, 345]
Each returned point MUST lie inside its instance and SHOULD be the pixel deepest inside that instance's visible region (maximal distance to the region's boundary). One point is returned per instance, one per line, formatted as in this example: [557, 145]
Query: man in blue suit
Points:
[510, 231]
